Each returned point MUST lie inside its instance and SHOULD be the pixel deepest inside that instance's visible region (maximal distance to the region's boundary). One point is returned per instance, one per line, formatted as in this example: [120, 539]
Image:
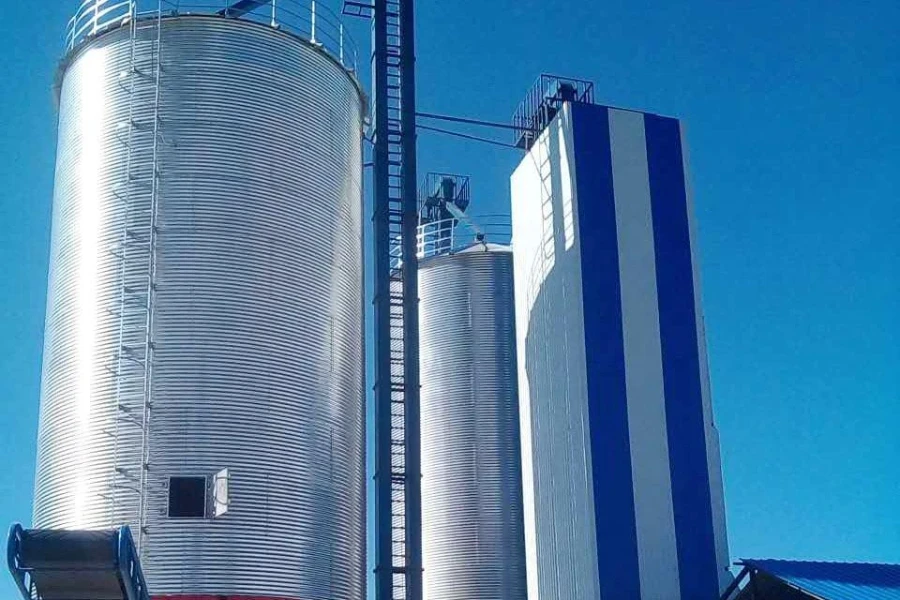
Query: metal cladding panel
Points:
[622, 482]
[258, 310]
[561, 547]
[471, 466]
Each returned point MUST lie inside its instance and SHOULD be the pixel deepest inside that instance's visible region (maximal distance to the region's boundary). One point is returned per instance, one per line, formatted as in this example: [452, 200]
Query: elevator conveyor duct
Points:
[54, 564]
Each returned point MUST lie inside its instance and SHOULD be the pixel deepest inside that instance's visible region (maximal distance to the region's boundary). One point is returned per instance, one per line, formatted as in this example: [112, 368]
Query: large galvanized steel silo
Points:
[473, 545]
[203, 363]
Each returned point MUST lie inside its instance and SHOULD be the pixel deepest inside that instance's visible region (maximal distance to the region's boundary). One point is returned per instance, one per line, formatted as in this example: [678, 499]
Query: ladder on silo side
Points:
[133, 355]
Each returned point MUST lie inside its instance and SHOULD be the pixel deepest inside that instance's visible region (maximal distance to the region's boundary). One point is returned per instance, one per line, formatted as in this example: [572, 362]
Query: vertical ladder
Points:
[542, 147]
[132, 368]
[150, 293]
[125, 479]
[398, 548]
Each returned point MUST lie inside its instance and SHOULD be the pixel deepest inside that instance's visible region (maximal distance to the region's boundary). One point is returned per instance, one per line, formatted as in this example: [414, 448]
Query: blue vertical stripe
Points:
[617, 554]
[681, 365]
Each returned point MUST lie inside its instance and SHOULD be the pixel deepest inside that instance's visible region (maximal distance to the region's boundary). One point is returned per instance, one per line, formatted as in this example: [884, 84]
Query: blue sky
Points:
[791, 110]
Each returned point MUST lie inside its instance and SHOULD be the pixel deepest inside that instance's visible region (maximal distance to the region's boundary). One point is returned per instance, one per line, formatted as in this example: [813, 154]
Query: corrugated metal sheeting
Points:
[834, 580]
[473, 543]
[258, 310]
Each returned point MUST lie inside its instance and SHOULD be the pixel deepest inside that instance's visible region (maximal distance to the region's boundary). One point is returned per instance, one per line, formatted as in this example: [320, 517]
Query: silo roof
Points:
[834, 580]
[485, 247]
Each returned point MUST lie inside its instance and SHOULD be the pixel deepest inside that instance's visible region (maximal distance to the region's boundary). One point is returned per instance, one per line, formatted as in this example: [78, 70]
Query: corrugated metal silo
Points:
[473, 544]
[203, 363]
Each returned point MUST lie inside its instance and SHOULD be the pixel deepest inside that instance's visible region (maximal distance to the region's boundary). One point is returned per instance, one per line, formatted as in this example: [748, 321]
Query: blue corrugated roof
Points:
[835, 581]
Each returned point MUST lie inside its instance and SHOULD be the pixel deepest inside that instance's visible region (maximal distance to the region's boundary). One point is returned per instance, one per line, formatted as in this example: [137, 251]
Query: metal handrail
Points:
[310, 20]
[542, 102]
[448, 236]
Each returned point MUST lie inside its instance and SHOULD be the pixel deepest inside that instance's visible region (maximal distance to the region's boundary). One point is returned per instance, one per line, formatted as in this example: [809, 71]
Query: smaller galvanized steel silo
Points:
[473, 542]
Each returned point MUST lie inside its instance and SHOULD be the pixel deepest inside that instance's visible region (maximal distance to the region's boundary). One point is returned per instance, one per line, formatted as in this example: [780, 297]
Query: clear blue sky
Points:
[795, 145]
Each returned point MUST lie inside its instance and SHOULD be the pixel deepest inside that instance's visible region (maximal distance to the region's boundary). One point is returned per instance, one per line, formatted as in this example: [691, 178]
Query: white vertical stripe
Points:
[525, 185]
[561, 556]
[657, 551]
[714, 461]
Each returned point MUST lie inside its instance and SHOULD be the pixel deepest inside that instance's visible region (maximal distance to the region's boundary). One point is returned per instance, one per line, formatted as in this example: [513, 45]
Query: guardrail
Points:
[451, 235]
[308, 19]
[543, 101]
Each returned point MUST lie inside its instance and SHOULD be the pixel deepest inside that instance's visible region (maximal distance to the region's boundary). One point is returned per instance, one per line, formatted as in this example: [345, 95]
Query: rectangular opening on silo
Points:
[187, 497]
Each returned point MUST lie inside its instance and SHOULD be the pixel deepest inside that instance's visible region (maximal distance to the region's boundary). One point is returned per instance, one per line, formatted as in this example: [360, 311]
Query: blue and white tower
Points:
[622, 477]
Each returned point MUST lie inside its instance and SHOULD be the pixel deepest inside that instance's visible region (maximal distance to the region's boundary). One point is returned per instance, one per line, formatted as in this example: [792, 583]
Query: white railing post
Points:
[96, 16]
[274, 13]
[342, 43]
[312, 35]
[70, 35]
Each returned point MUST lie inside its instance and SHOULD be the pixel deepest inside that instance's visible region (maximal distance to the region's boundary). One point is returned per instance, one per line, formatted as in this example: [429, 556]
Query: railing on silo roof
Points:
[449, 236]
[309, 20]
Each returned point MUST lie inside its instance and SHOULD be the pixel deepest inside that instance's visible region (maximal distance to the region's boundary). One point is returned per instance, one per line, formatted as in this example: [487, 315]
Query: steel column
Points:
[398, 546]
[382, 309]
[411, 308]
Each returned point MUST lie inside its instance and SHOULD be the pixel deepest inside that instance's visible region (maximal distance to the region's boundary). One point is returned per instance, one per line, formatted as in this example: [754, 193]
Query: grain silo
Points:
[472, 531]
[203, 362]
